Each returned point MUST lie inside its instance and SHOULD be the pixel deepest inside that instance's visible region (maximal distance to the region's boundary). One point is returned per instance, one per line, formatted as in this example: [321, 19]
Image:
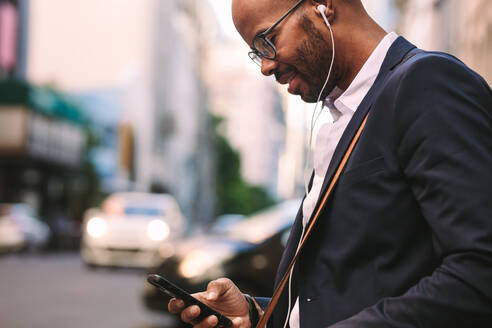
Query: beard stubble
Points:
[314, 56]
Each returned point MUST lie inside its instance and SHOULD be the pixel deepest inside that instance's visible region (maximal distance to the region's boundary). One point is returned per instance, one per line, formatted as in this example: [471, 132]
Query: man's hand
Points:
[221, 295]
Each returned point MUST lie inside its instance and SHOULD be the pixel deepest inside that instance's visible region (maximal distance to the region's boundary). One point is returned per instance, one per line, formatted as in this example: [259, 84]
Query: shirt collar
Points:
[342, 102]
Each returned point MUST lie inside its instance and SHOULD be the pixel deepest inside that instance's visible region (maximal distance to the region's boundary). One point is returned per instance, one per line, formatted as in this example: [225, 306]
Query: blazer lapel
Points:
[395, 55]
[293, 241]
[290, 247]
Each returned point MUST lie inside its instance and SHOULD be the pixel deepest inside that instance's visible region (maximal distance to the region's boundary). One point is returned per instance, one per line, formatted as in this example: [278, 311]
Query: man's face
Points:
[303, 55]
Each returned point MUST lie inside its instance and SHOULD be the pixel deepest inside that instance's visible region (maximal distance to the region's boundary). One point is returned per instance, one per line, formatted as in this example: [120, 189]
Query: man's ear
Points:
[329, 11]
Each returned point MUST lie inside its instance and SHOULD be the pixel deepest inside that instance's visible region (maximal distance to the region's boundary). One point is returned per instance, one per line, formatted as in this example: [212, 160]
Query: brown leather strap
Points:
[276, 295]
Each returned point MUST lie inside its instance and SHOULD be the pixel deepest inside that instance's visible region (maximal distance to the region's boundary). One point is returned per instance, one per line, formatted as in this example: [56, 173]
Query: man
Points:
[405, 240]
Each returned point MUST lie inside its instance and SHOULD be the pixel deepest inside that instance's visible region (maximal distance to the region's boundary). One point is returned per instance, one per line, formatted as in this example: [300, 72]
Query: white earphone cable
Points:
[289, 309]
[313, 118]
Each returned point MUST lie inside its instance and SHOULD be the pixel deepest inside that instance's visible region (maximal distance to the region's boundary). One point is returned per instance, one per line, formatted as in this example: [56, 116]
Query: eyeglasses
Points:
[264, 47]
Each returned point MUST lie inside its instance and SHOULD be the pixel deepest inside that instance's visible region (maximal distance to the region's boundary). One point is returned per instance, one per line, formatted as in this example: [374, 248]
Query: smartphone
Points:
[172, 290]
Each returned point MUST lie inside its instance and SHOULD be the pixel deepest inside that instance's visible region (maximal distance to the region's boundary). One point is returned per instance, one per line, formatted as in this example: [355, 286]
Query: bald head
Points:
[302, 49]
[246, 13]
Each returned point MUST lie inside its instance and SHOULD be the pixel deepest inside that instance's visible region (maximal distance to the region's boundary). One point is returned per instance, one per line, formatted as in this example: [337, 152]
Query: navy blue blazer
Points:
[406, 238]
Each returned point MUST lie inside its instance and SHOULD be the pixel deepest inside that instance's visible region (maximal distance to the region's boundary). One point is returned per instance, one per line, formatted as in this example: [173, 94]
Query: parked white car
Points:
[129, 228]
[19, 218]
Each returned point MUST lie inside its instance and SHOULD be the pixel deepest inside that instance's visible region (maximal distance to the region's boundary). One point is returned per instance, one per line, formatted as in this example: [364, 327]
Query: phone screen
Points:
[172, 290]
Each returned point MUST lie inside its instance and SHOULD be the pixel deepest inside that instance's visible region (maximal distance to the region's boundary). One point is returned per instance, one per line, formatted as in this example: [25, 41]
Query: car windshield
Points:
[266, 223]
[143, 211]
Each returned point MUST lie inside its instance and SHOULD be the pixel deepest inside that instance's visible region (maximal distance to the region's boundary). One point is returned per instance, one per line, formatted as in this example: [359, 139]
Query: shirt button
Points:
[308, 299]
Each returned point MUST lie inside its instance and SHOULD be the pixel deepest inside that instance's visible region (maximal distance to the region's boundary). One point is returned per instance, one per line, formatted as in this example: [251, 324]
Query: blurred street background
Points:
[137, 136]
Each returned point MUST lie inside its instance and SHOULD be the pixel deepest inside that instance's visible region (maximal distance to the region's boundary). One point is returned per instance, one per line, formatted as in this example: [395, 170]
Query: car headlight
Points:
[198, 263]
[96, 227]
[157, 230]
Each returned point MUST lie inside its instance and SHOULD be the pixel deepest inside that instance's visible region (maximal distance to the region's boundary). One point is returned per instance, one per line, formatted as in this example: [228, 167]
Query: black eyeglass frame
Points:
[263, 35]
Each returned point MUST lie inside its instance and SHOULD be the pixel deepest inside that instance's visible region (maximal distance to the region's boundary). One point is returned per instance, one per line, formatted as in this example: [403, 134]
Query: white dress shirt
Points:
[342, 106]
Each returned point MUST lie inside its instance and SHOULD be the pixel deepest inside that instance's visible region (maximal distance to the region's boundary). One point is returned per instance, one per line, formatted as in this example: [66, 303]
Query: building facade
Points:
[462, 28]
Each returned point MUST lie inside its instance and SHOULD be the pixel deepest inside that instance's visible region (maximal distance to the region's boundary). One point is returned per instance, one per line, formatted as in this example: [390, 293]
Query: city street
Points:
[59, 291]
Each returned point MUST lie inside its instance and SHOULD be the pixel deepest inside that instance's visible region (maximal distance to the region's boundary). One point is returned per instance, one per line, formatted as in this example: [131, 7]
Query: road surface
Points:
[57, 290]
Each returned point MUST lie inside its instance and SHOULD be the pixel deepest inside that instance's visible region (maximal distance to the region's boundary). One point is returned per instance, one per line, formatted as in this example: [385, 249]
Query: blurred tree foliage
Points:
[233, 194]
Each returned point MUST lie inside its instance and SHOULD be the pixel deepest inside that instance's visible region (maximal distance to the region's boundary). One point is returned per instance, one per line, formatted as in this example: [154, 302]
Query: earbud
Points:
[321, 9]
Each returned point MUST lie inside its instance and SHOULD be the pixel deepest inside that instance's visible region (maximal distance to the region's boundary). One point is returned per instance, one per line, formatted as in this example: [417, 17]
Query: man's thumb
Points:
[215, 288]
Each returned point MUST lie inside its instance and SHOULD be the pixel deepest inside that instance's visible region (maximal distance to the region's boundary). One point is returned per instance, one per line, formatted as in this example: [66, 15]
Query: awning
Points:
[41, 99]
